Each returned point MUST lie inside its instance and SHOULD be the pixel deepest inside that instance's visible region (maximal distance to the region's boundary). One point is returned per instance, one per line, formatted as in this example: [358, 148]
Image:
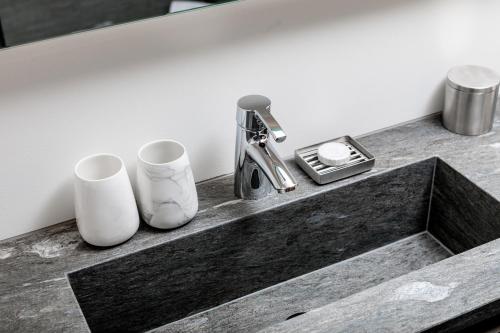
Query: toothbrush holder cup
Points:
[105, 207]
[165, 185]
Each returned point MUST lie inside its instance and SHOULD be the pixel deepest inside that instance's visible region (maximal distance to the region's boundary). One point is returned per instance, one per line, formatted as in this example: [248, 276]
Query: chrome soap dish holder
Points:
[360, 161]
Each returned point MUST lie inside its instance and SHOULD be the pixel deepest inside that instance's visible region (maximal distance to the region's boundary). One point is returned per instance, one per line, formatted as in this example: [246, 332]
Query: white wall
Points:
[331, 67]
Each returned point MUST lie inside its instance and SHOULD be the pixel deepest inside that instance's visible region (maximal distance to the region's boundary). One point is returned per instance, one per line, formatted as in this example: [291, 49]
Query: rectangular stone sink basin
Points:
[247, 274]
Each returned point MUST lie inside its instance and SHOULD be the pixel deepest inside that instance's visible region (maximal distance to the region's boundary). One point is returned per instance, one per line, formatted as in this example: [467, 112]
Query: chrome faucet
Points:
[259, 170]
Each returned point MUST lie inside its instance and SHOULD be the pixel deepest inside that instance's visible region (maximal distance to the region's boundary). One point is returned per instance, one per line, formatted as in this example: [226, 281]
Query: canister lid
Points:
[471, 78]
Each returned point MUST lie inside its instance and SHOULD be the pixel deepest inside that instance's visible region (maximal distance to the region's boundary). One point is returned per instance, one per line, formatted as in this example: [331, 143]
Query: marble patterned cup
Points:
[105, 207]
[165, 184]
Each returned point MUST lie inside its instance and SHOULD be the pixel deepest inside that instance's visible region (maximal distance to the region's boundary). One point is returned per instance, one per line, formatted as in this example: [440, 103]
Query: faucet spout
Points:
[259, 171]
[273, 167]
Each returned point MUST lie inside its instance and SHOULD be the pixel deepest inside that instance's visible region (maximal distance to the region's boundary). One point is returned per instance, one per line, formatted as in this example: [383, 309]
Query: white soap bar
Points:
[334, 153]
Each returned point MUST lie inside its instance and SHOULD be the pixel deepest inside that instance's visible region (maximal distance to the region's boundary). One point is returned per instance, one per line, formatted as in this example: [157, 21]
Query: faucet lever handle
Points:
[271, 124]
[254, 112]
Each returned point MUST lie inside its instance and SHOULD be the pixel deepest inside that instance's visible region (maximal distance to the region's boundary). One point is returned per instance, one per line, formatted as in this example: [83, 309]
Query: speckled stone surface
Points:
[462, 215]
[413, 301]
[277, 303]
[35, 295]
[176, 279]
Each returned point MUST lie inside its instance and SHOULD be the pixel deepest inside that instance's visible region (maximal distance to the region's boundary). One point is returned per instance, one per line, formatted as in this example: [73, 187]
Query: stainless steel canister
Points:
[470, 100]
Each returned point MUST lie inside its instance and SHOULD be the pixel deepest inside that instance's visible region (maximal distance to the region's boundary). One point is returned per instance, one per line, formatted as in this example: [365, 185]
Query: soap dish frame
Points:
[361, 161]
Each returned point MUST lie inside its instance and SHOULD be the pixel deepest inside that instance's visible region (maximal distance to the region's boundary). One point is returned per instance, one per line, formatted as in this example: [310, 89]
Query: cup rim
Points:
[146, 145]
[79, 176]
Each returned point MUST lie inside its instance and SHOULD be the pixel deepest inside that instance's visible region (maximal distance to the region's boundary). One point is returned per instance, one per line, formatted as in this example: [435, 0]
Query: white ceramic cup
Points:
[105, 207]
[165, 183]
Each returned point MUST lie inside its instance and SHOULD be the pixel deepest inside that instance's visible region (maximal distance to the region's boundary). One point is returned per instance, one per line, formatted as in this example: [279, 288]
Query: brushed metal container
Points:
[470, 100]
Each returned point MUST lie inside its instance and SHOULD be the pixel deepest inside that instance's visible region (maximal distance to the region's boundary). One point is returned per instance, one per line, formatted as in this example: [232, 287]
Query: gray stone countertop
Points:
[35, 295]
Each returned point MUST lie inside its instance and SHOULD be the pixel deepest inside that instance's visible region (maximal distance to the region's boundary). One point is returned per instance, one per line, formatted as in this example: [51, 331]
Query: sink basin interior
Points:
[385, 220]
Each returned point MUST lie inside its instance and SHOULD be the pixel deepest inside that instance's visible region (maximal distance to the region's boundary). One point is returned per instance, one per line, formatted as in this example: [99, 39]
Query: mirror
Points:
[24, 21]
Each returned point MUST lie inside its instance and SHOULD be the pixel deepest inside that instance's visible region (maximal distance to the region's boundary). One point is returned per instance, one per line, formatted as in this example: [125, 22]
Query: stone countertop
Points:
[35, 295]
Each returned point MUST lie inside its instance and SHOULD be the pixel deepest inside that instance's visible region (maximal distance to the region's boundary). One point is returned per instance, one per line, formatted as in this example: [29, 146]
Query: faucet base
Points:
[251, 183]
